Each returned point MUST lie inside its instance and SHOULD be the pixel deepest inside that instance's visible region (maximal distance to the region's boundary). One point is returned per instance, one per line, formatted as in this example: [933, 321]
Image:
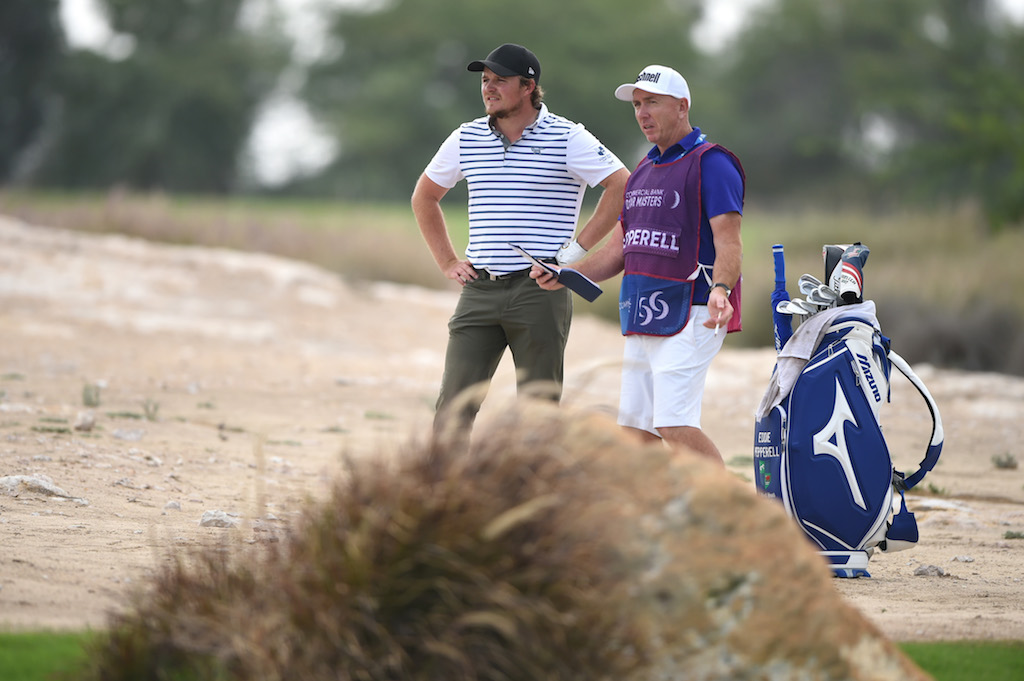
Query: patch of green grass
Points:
[969, 660]
[744, 460]
[51, 430]
[39, 656]
[124, 415]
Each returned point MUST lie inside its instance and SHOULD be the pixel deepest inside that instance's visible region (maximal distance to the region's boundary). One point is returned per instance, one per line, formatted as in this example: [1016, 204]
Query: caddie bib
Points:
[661, 241]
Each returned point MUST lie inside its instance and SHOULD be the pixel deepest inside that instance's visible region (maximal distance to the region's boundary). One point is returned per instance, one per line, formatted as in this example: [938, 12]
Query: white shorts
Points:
[663, 376]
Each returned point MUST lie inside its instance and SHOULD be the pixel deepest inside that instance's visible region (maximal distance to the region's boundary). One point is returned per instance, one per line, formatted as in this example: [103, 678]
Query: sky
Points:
[287, 141]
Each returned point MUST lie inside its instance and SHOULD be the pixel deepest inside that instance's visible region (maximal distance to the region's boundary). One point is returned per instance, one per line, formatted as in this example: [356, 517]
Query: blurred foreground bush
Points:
[444, 566]
[550, 547]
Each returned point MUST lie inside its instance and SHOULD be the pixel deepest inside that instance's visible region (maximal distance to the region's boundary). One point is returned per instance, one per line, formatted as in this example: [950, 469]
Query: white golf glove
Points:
[570, 252]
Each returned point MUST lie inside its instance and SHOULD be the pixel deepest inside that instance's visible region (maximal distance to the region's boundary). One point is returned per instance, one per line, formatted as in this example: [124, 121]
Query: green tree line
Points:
[874, 103]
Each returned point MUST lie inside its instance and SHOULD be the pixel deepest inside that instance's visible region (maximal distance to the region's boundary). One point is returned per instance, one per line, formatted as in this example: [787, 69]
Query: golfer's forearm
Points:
[728, 248]
[606, 262]
[435, 233]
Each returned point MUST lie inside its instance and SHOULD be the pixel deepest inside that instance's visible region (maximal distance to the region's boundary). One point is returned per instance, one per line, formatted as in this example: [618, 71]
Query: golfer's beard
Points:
[506, 112]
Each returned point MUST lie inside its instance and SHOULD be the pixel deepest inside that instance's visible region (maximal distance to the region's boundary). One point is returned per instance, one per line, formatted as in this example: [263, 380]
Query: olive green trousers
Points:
[492, 315]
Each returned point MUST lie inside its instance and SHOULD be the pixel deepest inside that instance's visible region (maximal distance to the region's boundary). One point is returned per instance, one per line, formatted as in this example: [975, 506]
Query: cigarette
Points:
[716, 329]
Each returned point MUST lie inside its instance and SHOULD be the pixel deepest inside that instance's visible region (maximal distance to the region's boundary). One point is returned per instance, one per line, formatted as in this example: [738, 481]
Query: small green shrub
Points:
[1006, 461]
[91, 395]
[151, 409]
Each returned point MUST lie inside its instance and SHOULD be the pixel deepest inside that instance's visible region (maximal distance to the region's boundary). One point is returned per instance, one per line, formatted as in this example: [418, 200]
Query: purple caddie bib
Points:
[662, 233]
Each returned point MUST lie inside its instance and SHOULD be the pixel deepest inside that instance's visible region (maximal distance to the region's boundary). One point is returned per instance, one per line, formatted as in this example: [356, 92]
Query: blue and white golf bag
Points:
[818, 444]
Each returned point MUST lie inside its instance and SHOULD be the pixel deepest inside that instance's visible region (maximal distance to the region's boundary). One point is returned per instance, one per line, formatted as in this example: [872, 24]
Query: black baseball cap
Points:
[509, 60]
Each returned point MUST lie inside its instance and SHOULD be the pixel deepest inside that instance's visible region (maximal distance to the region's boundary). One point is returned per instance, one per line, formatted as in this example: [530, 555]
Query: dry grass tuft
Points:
[494, 563]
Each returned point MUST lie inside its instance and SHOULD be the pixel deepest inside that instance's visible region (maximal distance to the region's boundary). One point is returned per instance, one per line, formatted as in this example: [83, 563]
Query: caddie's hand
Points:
[544, 279]
[719, 309]
[570, 252]
[461, 271]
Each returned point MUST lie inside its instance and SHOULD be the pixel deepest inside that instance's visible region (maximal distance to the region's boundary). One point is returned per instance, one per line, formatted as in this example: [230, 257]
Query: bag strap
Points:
[931, 456]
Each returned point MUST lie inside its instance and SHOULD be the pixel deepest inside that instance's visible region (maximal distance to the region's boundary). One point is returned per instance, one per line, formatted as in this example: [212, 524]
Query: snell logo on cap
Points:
[646, 77]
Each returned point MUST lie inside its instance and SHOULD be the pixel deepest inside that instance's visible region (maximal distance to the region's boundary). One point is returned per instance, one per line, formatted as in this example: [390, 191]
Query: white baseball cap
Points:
[659, 80]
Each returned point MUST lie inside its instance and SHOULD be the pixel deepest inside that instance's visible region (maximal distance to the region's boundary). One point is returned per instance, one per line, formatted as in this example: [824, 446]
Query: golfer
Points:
[527, 170]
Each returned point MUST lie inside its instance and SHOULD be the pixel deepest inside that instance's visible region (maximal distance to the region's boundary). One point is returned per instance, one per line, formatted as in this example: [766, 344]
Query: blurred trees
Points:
[874, 103]
[399, 85]
[31, 41]
[877, 102]
[881, 100]
[175, 112]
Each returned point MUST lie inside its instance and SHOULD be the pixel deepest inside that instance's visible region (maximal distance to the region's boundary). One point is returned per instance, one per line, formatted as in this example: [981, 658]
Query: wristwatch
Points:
[728, 291]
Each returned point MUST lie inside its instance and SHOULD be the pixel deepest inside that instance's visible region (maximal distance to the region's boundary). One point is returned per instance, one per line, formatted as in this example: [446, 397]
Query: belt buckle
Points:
[507, 275]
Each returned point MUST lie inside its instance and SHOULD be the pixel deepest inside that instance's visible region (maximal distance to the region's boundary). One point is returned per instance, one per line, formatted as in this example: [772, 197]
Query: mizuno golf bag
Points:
[818, 445]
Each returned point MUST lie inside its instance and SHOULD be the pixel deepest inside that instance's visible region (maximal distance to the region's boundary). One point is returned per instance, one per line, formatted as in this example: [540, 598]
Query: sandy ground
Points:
[236, 383]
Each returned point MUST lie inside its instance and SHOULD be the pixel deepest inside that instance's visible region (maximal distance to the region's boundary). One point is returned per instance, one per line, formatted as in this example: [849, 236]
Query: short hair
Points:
[537, 96]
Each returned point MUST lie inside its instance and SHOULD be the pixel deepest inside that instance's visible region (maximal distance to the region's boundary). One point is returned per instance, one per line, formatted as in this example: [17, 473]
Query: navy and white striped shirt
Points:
[529, 193]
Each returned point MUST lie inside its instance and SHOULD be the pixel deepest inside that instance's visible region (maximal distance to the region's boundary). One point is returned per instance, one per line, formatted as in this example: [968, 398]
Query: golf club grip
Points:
[780, 265]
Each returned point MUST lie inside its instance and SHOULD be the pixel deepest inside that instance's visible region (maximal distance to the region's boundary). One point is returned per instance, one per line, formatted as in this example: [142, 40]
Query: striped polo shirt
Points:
[528, 193]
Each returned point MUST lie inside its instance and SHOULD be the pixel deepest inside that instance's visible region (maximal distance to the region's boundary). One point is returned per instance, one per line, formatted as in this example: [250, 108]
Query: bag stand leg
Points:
[847, 563]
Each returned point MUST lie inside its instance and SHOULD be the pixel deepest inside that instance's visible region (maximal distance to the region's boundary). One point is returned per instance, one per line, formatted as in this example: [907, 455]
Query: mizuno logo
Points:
[865, 365]
[831, 441]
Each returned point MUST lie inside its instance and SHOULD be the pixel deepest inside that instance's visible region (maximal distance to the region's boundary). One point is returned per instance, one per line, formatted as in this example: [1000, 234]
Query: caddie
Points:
[678, 245]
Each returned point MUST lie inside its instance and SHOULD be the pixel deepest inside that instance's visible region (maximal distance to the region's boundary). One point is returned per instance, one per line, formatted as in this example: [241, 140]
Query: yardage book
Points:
[567, 276]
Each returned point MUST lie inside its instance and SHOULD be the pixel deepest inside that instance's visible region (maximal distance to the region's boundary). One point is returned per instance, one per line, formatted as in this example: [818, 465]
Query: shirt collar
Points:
[540, 116]
[677, 150]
